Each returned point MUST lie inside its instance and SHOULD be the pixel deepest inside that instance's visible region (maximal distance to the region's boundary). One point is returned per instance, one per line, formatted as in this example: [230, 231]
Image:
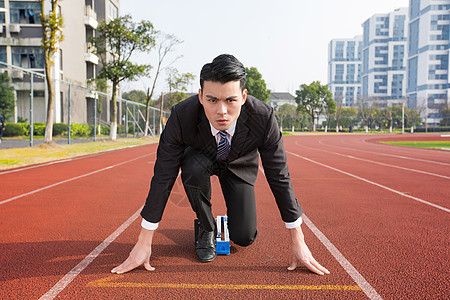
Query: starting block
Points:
[223, 237]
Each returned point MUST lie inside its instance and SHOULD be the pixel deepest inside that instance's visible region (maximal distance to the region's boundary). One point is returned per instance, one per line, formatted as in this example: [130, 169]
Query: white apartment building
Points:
[428, 57]
[20, 41]
[344, 70]
[384, 57]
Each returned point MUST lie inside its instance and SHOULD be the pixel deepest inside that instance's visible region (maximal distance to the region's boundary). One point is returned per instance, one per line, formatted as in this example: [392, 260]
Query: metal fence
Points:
[79, 112]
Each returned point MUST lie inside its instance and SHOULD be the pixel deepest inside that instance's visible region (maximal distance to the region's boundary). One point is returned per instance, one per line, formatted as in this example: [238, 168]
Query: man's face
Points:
[222, 102]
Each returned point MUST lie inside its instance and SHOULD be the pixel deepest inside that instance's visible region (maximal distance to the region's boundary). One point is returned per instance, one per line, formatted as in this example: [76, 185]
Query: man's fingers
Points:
[292, 266]
[148, 267]
[123, 268]
[320, 267]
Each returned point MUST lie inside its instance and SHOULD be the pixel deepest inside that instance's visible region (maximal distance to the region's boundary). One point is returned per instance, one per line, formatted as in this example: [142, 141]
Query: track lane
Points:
[380, 232]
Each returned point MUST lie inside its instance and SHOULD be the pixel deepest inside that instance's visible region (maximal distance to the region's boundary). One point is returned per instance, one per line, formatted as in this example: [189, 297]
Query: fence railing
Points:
[86, 111]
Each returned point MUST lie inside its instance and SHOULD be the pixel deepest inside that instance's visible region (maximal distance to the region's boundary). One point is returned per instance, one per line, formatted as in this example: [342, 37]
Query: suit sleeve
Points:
[168, 160]
[274, 160]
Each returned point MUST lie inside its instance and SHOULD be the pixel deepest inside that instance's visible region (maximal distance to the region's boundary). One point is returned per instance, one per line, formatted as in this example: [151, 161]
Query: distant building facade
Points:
[384, 57]
[344, 70]
[428, 57]
[277, 99]
[20, 41]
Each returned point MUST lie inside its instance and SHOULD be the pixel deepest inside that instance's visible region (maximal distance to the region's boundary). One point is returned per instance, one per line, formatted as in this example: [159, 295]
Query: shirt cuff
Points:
[149, 225]
[295, 224]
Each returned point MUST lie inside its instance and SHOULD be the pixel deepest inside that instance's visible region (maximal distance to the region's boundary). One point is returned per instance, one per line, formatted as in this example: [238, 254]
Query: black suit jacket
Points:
[256, 131]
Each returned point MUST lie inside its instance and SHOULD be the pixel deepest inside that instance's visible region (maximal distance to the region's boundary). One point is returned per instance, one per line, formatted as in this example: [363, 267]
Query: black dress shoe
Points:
[205, 247]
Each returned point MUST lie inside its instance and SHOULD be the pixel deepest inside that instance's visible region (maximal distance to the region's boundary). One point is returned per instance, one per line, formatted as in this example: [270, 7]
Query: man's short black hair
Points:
[224, 68]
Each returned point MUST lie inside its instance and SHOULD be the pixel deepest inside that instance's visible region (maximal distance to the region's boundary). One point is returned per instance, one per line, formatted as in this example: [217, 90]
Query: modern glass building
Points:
[344, 70]
[384, 57]
[428, 56]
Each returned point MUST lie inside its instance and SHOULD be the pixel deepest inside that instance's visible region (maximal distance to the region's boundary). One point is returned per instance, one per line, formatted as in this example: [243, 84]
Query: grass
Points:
[420, 144]
[17, 157]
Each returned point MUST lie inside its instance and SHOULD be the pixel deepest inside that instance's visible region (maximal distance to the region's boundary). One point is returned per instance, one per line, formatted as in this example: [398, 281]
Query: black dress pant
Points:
[196, 171]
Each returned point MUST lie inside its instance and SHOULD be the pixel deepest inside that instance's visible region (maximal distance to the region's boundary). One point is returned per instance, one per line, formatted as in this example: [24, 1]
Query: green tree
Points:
[445, 113]
[178, 84]
[114, 43]
[348, 117]
[366, 111]
[136, 96]
[314, 99]
[255, 85]
[6, 96]
[51, 36]
[286, 111]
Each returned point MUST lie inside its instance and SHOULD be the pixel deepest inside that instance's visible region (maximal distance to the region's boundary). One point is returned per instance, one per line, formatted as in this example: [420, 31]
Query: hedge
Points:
[81, 130]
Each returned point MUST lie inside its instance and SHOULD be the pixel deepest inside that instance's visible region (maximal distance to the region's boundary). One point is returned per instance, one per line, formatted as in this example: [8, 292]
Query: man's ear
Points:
[244, 96]
[200, 96]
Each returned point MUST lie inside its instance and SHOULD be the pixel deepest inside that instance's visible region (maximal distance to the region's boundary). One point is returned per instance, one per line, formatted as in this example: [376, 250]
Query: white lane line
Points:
[71, 179]
[385, 154]
[348, 267]
[67, 279]
[373, 183]
[375, 162]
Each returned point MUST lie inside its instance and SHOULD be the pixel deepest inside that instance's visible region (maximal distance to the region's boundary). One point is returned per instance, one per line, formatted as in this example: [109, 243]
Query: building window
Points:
[413, 38]
[351, 50]
[339, 51]
[399, 26]
[25, 12]
[2, 55]
[380, 87]
[113, 12]
[339, 76]
[2, 14]
[28, 57]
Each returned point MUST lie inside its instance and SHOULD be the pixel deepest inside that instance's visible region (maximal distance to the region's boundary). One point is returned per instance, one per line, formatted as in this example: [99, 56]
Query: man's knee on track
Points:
[243, 239]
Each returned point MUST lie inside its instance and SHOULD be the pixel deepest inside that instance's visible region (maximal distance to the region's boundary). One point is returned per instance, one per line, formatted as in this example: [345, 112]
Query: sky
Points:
[286, 40]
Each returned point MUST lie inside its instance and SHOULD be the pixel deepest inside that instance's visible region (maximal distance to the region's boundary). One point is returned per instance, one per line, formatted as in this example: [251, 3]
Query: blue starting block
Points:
[223, 237]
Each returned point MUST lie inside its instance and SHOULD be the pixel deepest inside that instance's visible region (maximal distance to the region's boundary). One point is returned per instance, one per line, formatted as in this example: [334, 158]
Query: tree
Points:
[255, 85]
[165, 44]
[286, 111]
[6, 96]
[329, 110]
[366, 111]
[339, 105]
[114, 43]
[177, 86]
[51, 36]
[348, 117]
[313, 99]
[136, 96]
[445, 113]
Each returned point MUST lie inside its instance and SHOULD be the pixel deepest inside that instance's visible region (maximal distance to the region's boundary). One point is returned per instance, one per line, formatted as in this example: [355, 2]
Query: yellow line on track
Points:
[107, 282]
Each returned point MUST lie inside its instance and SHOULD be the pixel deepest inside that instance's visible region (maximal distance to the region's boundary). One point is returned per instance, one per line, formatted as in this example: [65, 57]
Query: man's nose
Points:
[222, 108]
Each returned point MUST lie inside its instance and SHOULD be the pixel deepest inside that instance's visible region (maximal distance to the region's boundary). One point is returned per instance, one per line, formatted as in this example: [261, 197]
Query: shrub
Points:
[79, 130]
[12, 129]
[39, 129]
[60, 129]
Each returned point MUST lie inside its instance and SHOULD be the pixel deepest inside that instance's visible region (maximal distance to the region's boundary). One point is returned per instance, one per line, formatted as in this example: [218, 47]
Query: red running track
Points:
[376, 216]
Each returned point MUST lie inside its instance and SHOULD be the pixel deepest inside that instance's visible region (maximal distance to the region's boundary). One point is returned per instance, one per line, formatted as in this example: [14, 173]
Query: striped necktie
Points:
[223, 149]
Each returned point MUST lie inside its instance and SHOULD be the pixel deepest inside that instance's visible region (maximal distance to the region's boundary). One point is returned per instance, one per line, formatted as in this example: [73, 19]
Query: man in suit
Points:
[220, 132]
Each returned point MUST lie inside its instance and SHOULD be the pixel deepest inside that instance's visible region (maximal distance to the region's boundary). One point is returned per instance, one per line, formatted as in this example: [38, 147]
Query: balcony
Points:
[89, 55]
[90, 17]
